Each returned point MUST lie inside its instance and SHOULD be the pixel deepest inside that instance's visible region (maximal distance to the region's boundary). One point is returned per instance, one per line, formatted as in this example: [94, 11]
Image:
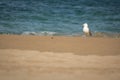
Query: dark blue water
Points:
[59, 17]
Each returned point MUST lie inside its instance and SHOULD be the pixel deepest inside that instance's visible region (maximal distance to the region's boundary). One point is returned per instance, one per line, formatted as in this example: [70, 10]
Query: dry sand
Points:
[59, 58]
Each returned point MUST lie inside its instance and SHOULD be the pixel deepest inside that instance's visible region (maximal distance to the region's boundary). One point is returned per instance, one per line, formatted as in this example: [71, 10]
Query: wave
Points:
[99, 34]
[94, 34]
[43, 33]
[105, 34]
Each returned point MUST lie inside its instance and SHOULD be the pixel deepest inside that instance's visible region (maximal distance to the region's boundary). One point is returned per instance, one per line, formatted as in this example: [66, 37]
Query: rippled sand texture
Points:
[35, 65]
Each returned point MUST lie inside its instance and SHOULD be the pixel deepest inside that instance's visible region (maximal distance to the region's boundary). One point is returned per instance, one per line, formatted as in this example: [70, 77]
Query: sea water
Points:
[59, 17]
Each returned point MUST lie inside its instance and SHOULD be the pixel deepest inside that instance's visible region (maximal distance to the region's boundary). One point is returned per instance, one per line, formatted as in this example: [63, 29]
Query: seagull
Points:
[86, 30]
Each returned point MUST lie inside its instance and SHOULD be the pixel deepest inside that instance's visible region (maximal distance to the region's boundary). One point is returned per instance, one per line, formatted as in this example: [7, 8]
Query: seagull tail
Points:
[90, 33]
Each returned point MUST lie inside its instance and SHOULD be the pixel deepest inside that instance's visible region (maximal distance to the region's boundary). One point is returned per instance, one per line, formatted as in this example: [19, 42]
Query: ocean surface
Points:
[59, 17]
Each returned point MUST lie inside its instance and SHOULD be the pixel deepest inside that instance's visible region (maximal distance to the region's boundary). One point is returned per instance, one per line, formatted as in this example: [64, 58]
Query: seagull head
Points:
[85, 25]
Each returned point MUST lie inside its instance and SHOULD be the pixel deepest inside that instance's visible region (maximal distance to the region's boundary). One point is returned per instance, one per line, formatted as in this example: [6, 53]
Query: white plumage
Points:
[86, 30]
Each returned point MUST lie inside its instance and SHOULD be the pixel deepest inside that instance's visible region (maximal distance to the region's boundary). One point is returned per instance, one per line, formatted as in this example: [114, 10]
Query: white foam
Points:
[47, 33]
[43, 33]
[29, 33]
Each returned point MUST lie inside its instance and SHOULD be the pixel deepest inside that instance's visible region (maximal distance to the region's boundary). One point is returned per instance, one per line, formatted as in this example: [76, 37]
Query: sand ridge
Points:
[35, 63]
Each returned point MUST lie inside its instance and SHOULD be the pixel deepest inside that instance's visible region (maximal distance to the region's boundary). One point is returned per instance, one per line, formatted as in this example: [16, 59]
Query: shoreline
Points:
[77, 45]
[80, 34]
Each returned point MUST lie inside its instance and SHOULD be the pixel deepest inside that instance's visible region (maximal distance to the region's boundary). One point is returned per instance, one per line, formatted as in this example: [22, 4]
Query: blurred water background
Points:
[59, 17]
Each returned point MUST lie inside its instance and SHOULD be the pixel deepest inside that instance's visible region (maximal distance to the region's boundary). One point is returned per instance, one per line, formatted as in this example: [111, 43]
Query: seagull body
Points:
[86, 30]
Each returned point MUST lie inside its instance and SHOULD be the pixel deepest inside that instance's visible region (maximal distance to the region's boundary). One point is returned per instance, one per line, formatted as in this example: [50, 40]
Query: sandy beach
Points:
[59, 58]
